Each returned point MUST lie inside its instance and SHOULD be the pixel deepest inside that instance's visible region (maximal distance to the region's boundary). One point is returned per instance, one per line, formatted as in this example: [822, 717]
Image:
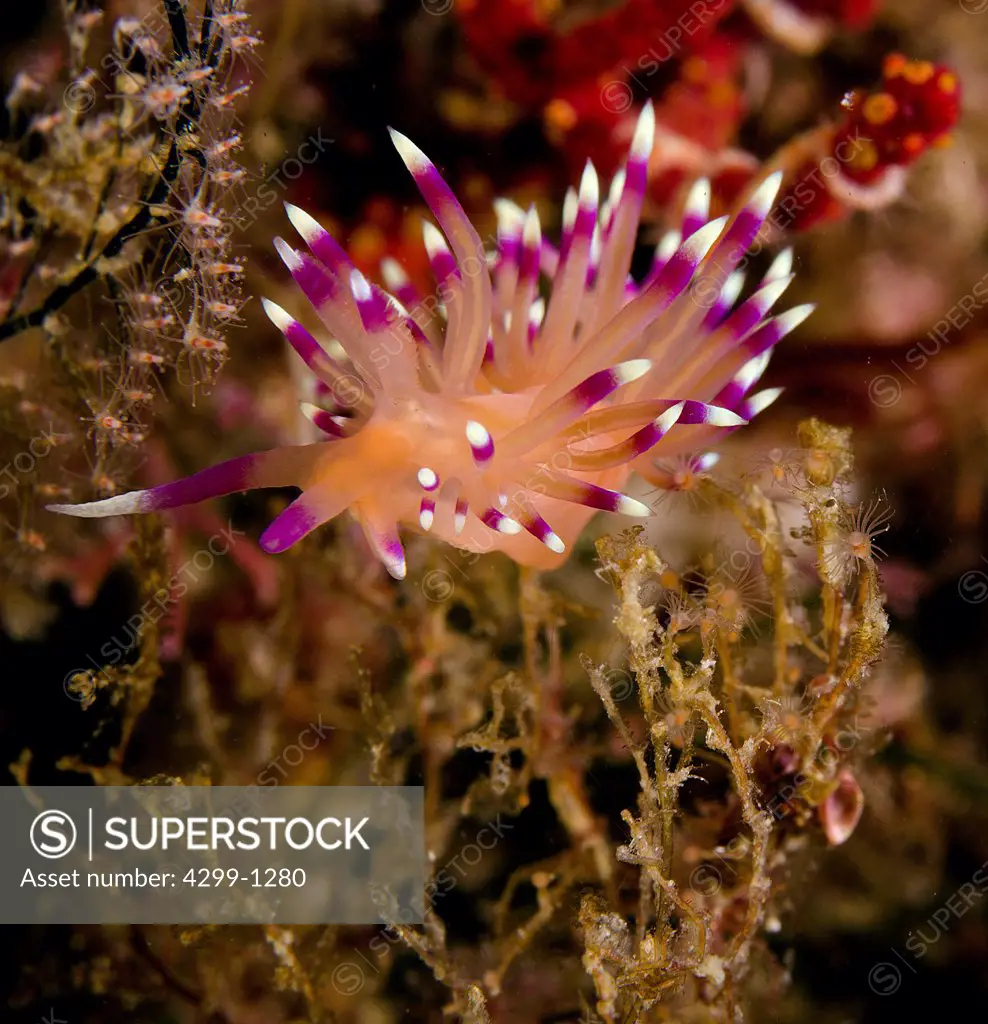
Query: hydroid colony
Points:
[507, 429]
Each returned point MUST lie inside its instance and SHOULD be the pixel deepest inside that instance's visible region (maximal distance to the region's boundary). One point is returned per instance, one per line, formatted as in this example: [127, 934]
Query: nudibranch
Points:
[494, 418]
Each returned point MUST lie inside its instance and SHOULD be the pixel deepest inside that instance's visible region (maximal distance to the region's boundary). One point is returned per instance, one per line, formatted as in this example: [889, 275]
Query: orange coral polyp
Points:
[490, 417]
[880, 108]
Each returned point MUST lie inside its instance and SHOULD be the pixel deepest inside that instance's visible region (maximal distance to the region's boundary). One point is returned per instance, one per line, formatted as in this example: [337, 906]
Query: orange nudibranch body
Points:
[506, 424]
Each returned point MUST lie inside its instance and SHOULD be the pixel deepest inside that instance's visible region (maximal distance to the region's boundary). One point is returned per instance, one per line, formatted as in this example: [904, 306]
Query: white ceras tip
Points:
[289, 256]
[781, 266]
[792, 318]
[702, 240]
[632, 369]
[698, 199]
[669, 418]
[753, 369]
[589, 188]
[570, 206]
[767, 296]
[359, 286]
[118, 505]
[477, 434]
[532, 231]
[278, 316]
[717, 416]
[764, 196]
[631, 507]
[428, 478]
[644, 137]
[616, 190]
[762, 400]
[732, 288]
[669, 243]
[393, 273]
[510, 217]
[435, 244]
[412, 157]
[304, 223]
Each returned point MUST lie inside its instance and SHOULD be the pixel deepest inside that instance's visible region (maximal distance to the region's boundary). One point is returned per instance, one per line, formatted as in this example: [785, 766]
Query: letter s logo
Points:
[53, 834]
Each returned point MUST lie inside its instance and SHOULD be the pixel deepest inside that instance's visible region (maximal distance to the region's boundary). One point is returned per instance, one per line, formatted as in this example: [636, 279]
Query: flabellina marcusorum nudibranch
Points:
[511, 425]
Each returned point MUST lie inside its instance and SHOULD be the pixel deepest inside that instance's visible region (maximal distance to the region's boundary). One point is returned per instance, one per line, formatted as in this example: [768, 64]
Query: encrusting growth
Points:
[116, 246]
[790, 731]
[510, 429]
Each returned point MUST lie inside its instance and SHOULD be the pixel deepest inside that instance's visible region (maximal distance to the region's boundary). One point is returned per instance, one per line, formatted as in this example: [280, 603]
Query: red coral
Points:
[531, 60]
[586, 122]
[512, 44]
[917, 106]
[703, 107]
[589, 79]
[859, 163]
[642, 34]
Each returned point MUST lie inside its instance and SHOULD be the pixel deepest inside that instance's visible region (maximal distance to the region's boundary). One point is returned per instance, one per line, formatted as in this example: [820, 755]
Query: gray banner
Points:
[212, 855]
